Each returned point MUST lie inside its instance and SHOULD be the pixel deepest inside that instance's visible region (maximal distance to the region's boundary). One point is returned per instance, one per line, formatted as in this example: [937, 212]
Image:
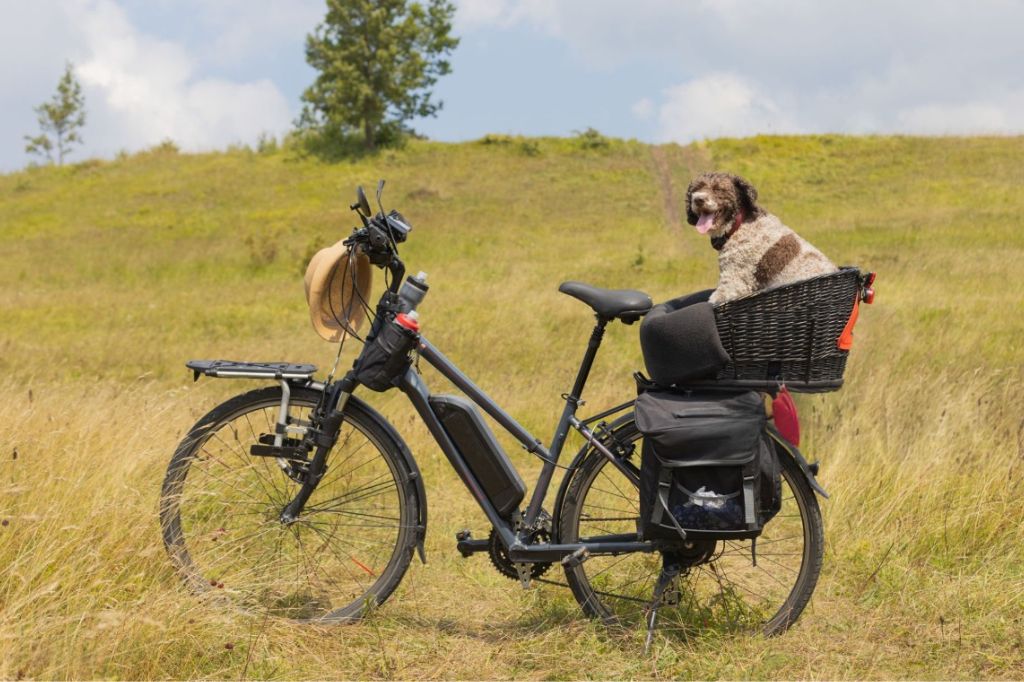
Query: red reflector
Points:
[869, 296]
[786, 420]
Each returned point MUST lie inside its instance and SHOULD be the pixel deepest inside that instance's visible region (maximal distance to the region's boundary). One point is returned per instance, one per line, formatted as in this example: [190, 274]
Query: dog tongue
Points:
[705, 222]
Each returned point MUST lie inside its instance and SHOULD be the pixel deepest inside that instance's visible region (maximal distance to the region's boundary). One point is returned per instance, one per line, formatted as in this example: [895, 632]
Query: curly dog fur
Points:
[755, 250]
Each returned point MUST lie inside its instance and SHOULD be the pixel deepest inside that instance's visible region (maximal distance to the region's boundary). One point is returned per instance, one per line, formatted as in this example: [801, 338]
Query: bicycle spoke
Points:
[220, 509]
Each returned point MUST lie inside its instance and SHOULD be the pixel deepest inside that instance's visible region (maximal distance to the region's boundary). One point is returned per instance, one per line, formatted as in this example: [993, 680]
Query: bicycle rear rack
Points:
[229, 369]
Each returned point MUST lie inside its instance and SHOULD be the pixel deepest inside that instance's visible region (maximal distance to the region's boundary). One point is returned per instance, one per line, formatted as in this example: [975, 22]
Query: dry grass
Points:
[116, 273]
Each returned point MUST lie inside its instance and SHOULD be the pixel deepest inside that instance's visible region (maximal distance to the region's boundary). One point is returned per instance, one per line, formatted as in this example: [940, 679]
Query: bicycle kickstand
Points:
[669, 573]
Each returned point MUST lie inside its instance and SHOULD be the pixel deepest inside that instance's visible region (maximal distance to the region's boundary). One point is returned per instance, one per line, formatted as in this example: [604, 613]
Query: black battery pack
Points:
[481, 451]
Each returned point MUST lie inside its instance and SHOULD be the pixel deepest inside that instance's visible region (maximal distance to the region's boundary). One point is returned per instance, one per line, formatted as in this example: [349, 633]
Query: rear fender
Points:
[784, 446]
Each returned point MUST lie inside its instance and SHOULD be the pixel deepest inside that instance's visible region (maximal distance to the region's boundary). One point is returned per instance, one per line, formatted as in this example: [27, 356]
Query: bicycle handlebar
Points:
[380, 236]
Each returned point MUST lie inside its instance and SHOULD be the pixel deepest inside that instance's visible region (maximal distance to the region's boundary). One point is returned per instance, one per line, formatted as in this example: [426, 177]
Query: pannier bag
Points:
[707, 466]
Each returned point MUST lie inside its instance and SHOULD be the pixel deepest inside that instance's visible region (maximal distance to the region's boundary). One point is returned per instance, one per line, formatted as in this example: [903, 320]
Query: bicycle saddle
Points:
[627, 305]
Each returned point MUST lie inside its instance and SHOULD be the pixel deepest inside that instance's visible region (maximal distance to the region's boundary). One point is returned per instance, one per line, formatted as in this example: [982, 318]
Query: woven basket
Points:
[789, 334]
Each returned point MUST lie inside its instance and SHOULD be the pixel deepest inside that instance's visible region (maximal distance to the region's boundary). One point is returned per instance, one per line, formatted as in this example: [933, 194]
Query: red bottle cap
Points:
[407, 322]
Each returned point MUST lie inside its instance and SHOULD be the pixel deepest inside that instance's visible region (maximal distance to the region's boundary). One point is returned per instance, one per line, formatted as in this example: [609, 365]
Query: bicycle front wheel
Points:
[720, 587]
[220, 509]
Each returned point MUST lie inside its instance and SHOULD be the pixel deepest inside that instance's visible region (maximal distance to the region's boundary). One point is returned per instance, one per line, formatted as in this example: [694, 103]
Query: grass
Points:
[117, 272]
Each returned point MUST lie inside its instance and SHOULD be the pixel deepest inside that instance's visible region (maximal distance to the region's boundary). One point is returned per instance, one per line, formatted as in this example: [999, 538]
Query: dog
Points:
[755, 250]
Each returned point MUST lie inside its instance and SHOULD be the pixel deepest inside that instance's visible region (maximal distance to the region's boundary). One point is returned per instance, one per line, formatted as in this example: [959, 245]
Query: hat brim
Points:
[338, 286]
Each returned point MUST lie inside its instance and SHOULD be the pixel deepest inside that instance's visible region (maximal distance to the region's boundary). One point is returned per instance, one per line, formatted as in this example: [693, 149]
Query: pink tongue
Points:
[705, 222]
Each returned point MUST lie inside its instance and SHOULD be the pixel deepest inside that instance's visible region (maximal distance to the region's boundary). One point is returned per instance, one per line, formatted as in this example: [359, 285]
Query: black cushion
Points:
[679, 340]
[609, 303]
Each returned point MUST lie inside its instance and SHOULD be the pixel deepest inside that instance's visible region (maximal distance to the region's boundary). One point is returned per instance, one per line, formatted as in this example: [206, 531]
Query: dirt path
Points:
[673, 167]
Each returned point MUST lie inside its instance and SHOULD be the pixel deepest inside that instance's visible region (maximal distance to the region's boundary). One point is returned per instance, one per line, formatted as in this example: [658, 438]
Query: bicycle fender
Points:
[410, 463]
[794, 452]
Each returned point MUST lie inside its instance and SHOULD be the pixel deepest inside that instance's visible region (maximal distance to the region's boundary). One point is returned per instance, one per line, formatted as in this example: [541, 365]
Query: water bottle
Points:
[413, 290]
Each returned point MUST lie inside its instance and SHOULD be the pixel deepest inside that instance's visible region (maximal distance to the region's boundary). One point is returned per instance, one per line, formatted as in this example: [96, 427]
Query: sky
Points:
[211, 73]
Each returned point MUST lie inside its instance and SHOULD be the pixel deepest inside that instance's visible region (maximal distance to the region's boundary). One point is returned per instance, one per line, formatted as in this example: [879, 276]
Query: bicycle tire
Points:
[618, 590]
[217, 528]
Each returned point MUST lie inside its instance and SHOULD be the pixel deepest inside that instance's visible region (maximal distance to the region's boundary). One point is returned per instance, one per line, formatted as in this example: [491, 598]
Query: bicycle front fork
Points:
[322, 435]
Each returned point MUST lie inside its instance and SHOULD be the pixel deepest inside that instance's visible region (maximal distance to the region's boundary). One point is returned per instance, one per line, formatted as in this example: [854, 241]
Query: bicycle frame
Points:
[519, 545]
[414, 387]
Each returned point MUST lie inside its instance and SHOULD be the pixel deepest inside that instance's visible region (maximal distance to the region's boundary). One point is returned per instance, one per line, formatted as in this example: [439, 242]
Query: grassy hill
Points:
[115, 273]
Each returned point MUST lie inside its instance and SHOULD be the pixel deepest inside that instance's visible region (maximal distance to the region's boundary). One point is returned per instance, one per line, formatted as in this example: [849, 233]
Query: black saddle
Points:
[627, 305]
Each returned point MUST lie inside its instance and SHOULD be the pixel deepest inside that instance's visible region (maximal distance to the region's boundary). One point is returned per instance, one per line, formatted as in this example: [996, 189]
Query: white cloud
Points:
[541, 14]
[717, 105]
[974, 117]
[148, 90]
[919, 66]
[643, 108]
[139, 88]
[243, 29]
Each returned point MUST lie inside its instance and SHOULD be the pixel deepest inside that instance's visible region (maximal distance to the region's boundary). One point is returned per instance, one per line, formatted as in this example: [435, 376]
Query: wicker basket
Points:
[789, 334]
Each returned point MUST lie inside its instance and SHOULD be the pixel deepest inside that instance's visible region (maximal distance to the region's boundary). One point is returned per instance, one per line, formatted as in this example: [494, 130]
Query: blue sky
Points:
[208, 73]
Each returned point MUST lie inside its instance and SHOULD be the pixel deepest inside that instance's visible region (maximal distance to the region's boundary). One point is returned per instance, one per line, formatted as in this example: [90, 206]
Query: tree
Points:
[63, 116]
[377, 60]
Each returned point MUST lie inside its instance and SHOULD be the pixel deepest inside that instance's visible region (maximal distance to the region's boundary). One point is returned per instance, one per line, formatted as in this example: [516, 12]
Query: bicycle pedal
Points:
[467, 546]
[576, 558]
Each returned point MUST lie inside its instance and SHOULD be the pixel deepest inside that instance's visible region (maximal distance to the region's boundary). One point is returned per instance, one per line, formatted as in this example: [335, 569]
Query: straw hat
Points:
[337, 285]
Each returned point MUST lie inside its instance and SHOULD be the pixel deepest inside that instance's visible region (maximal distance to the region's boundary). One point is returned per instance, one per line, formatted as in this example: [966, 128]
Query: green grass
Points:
[115, 273]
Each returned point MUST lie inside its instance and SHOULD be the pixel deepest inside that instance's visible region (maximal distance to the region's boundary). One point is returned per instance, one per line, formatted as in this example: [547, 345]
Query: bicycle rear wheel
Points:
[719, 588]
[220, 508]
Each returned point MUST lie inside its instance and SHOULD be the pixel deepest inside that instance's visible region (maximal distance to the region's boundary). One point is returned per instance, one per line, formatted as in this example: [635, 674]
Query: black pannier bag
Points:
[707, 465]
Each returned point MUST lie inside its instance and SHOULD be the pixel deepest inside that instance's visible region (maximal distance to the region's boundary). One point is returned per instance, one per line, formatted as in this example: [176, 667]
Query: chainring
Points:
[499, 556]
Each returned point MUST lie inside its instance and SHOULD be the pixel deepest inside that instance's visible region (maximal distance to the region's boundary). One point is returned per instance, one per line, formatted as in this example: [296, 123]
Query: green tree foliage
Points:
[62, 118]
[377, 60]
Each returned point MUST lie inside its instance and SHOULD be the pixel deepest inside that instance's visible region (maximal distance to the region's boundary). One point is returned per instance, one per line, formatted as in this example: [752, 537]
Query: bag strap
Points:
[749, 513]
[751, 472]
[664, 487]
[665, 484]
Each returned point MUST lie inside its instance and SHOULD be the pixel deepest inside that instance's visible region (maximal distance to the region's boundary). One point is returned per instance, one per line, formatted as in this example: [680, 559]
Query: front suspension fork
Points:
[323, 437]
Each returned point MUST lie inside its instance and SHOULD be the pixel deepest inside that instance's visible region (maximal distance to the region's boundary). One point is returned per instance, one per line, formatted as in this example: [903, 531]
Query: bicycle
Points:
[300, 500]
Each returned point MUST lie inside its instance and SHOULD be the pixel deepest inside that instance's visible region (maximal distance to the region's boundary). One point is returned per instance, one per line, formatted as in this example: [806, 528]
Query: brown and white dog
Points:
[755, 250]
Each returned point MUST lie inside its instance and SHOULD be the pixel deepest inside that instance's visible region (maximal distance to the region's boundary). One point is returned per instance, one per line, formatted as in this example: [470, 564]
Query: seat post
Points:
[588, 359]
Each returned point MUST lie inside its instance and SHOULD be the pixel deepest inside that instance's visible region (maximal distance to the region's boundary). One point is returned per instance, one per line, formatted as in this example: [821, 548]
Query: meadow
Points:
[114, 273]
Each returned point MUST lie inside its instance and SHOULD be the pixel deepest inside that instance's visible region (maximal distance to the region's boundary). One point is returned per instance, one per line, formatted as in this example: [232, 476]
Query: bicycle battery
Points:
[481, 451]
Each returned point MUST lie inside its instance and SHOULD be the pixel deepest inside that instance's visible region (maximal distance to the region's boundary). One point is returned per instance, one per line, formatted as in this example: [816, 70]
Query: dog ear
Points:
[747, 196]
[691, 216]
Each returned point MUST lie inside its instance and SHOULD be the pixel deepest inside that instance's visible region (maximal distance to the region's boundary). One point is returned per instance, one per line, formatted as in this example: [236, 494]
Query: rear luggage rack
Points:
[226, 369]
